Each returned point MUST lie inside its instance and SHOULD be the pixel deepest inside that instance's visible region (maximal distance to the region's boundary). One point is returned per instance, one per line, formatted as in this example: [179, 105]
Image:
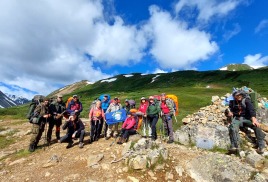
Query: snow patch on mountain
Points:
[109, 80]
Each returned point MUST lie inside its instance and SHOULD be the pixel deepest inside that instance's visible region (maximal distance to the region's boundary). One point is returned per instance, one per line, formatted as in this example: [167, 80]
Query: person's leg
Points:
[258, 133]
[144, 122]
[97, 133]
[100, 125]
[92, 130]
[80, 135]
[170, 129]
[105, 129]
[115, 129]
[58, 124]
[35, 130]
[149, 127]
[153, 126]
[51, 124]
[109, 131]
[40, 132]
[164, 120]
[234, 134]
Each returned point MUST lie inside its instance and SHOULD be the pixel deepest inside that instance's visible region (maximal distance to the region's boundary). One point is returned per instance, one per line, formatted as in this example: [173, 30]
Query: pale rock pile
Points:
[208, 127]
[144, 154]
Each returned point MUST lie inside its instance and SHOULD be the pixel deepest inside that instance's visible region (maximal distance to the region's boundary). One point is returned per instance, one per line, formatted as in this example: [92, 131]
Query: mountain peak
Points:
[236, 67]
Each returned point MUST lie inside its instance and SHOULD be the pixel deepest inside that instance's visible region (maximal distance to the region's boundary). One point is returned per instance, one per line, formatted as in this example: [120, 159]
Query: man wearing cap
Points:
[167, 112]
[244, 115]
[115, 106]
[75, 106]
[57, 109]
[41, 114]
[152, 114]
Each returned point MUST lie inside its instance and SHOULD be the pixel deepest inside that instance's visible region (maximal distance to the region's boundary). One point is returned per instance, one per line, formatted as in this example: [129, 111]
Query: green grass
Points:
[217, 149]
[5, 142]
[189, 86]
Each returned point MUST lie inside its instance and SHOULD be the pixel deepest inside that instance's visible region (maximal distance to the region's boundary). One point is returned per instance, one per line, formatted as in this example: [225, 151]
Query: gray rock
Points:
[179, 170]
[94, 159]
[255, 160]
[186, 120]
[182, 137]
[215, 98]
[153, 155]
[210, 118]
[138, 162]
[133, 179]
[6, 132]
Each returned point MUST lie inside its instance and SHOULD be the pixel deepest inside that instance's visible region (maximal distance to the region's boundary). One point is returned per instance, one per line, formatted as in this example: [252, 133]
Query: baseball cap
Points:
[74, 96]
[59, 95]
[143, 98]
[116, 98]
[151, 97]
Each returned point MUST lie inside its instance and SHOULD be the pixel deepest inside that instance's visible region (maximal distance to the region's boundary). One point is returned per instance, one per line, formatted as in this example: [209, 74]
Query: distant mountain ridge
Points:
[8, 100]
[19, 100]
[236, 67]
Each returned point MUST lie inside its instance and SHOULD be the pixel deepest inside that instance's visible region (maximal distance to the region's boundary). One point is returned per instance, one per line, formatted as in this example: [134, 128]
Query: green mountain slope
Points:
[193, 88]
[237, 67]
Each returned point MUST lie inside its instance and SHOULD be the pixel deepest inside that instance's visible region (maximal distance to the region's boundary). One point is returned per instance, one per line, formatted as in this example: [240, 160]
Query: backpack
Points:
[252, 96]
[137, 119]
[37, 99]
[173, 99]
[68, 101]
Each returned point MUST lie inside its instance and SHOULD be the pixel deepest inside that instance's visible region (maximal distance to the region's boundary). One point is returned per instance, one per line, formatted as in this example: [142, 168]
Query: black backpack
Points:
[37, 99]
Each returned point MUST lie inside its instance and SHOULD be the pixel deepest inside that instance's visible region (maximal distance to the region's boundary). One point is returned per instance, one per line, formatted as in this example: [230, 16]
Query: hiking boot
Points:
[123, 140]
[260, 150]
[70, 144]
[81, 145]
[120, 141]
[170, 141]
[31, 148]
[107, 137]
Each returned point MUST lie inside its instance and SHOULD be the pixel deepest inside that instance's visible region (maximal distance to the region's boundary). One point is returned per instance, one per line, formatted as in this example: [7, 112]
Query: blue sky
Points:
[52, 43]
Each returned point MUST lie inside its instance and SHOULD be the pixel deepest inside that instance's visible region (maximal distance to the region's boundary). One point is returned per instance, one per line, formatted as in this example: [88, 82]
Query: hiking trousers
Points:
[152, 121]
[112, 128]
[238, 122]
[51, 125]
[68, 136]
[167, 122]
[146, 125]
[95, 129]
[127, 132]
[37, 131]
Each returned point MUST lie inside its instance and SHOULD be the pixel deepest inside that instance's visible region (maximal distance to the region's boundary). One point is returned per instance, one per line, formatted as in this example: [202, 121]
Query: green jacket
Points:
[153, 109]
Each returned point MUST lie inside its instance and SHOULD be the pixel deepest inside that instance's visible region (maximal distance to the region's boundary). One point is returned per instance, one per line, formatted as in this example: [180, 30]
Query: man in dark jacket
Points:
[57, 108]
[244, 115]
[40, 118]
[75, 129]
[75, 106]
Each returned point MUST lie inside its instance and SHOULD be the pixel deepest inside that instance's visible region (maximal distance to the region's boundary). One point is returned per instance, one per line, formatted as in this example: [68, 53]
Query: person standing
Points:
[40, 119]
[167, 112]
[75, 106]
[96, 115]
[145, 123]
[57, 108]
[105, 102]
[115, 106]
[152, 114]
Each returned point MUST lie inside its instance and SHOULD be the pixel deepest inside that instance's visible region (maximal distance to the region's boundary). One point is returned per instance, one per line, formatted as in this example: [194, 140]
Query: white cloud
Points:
[207, 9]
[117, 44]
[174, 45]
[256, 61]
[157, 70]
[42, 44]
[229, 34]
[262, 25]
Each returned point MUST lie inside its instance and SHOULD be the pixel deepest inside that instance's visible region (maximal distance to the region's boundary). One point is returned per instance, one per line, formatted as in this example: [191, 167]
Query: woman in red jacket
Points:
[128, 128]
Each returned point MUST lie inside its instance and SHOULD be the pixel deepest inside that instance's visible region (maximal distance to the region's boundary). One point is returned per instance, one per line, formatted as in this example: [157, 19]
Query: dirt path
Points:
[56, 163]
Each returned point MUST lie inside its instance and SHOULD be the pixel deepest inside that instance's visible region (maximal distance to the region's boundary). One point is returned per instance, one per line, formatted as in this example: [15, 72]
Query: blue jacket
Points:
[105, 105]
[75, 106]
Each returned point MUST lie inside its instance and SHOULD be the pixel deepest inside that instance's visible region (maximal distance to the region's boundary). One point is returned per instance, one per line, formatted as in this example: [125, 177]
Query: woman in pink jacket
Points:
[95, 115]
[128, 128]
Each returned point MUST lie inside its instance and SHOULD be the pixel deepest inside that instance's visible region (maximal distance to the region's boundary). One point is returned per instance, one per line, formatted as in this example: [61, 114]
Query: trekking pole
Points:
[175, 117]
[45, 138]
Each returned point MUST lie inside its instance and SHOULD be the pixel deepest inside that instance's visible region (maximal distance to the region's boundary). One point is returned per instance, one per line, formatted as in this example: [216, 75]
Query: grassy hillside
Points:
[193, 88]
[238, 67]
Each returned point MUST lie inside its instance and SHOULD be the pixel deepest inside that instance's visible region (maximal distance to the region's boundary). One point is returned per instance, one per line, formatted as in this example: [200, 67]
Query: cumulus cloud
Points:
[256, 61]
[262, 25]
[42, 44]
[174, 45]
[207, 9]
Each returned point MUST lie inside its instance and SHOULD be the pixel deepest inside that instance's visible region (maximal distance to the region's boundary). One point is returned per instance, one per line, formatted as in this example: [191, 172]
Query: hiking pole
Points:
[45, 138]
[175, 117]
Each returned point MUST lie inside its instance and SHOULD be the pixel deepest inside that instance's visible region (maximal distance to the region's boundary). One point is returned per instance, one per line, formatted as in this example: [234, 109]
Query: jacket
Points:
[168, 104]
[239, 110]
[57, 108]
[75, 106]
[153, 109]
[143, 107]
[76, 126]
[114, 107]
[40, 111]
[96, 113]
[129, 123]
[105, 105]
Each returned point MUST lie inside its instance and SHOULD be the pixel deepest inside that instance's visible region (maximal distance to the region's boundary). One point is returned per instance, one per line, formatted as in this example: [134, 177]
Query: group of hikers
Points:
[241, 113]
[146, 116]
